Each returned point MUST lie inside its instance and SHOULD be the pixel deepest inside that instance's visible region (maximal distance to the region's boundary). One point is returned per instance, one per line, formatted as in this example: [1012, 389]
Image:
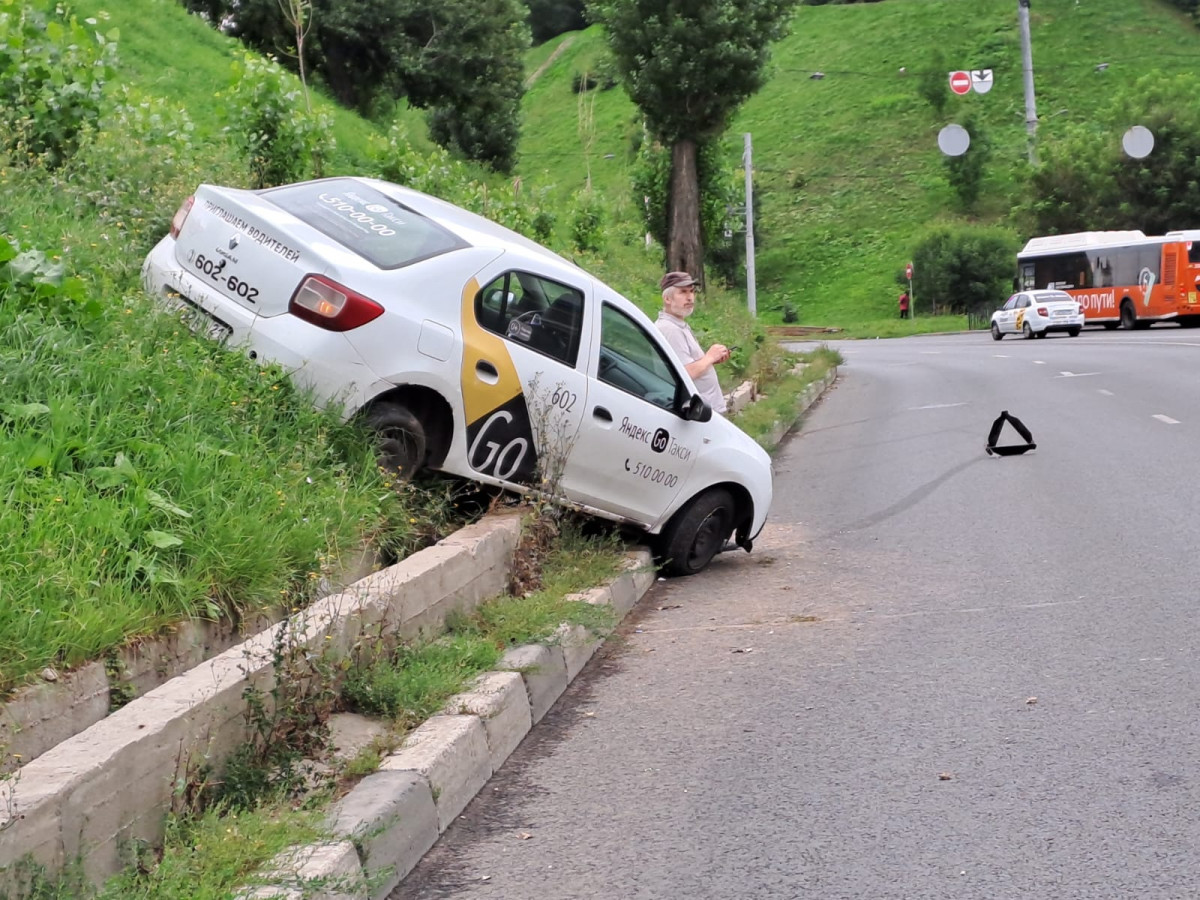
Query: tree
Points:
[965, 269]
[688, 65]
[460, 59]
[1086, 182]
[550, 18]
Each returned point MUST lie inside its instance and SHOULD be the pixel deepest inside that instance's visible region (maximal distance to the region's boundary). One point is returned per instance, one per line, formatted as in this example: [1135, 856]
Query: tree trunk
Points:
[685, 246]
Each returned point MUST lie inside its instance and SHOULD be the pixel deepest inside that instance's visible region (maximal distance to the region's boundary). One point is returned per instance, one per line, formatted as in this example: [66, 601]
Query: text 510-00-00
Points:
[215, 270]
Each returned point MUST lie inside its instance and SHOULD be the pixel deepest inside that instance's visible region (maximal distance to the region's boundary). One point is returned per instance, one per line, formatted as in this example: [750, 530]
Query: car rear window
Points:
[373, 225]
[1048, 296]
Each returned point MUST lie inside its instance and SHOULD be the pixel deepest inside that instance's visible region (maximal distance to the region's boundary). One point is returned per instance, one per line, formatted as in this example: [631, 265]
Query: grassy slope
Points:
[169, 53]
[848, 171]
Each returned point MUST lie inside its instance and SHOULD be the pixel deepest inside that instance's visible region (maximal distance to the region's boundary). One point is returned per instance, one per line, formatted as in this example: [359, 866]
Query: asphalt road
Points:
[940, 674]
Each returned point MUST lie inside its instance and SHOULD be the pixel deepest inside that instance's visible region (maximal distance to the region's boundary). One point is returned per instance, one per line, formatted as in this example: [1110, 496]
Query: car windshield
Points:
[371, 224]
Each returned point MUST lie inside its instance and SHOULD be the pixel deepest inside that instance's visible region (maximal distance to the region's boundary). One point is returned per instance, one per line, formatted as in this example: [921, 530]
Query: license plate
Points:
[196, 320]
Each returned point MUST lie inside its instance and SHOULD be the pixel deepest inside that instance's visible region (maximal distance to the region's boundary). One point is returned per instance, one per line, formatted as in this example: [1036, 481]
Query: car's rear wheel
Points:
[697, 533]
[1042, 333]
[996, 333]
[399, 440]
[1027, 331]
[1074, 332]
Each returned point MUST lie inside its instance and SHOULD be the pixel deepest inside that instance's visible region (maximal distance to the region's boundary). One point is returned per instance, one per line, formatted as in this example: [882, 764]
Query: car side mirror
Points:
[696, 410]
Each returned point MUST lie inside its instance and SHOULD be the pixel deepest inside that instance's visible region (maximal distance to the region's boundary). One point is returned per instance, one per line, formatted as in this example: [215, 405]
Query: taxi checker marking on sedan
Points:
[468, 349]
[1036, 313]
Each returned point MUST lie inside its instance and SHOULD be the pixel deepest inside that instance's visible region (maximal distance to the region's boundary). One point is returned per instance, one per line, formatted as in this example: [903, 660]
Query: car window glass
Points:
[1023, 302]
[1012, 302]
[376, 227]
[634, 362]
[533, 311]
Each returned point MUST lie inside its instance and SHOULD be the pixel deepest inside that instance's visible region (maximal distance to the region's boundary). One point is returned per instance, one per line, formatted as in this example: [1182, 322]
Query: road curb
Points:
[394, 816]
[810, 395]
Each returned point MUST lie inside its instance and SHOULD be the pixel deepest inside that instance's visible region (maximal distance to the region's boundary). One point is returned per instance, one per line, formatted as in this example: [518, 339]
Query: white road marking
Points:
[936, 406]
[1039, 362]
[1076, 374]
[1107, 393]
[1166, 419]
[1001, 355]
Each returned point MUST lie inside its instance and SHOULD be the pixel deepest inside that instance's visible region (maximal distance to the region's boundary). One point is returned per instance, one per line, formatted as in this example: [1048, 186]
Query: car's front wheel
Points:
[996, 333]
[399, 440]
[1027, 331]
[697, 533]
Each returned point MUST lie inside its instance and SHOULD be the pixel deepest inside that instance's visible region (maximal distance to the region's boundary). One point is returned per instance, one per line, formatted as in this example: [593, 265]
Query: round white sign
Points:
[953, 140]
[1138, 142]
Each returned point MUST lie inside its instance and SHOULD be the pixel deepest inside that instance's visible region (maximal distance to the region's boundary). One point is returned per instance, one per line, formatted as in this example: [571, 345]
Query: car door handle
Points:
[487, 372]
[602, 414]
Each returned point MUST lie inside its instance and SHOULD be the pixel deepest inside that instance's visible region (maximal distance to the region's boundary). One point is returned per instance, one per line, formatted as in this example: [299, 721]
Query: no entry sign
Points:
[960, 82]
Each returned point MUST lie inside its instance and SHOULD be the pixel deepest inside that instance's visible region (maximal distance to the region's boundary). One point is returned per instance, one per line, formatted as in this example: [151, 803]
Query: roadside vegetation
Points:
[272, 795]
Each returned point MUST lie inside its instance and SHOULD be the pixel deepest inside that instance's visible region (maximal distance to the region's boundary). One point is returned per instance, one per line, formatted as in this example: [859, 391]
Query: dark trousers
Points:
[904, 313]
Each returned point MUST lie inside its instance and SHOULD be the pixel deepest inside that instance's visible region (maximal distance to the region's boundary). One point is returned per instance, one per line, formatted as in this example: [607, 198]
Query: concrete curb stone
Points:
[451, 752]
[448, 759]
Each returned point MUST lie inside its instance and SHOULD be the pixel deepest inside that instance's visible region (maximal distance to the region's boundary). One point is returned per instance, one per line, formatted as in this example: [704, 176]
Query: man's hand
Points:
[717, 353]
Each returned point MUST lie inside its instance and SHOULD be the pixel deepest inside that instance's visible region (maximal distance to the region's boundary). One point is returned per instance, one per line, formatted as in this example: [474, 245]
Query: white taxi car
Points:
[468, 349]
[1036, 313]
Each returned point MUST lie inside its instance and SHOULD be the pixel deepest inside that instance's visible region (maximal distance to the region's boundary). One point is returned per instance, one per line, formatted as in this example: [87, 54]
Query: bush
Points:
[52, 76]
[135, 167]
[964, 269]
[587, 222]
[283, 140]
[965, 173]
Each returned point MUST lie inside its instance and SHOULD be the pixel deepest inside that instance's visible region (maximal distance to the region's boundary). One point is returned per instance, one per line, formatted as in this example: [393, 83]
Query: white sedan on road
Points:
[1036, 313]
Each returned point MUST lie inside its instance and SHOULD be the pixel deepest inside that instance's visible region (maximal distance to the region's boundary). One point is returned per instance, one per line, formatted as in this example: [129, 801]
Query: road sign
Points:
[908, 271]
[960, 82]
[981, 80]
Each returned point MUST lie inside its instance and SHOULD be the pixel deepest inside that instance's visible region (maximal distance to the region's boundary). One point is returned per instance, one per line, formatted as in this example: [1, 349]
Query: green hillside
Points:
[847, 167]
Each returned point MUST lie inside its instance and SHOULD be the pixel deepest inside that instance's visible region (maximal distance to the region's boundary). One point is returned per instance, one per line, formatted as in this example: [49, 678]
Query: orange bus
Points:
[1119, 277]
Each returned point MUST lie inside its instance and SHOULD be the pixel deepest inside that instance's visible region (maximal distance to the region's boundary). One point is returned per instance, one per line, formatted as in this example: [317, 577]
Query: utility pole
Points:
[1027, 66]
[751, 299]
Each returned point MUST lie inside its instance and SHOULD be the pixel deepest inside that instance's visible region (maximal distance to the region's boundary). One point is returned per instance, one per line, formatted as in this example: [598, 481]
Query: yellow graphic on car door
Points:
[499, 436]
[1020, 319]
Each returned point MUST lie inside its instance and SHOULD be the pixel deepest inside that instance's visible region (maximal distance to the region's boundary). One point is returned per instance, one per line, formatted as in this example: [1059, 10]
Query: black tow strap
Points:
[1012, 449]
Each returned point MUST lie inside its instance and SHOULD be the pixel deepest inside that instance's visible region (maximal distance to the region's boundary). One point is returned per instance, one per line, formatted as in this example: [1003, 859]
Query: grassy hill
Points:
[848, 173]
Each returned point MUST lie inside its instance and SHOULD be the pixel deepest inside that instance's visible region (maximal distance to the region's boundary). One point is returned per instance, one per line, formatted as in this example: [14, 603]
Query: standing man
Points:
[904, 304]
[679, 302]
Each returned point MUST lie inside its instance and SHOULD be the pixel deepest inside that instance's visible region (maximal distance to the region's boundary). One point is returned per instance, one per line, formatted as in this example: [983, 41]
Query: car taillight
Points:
[181, 215]
[1081, 310]
[332, 306]
[1043, 312]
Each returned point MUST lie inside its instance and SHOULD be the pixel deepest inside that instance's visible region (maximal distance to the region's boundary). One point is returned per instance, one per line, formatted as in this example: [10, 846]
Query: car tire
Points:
[1074, 332]
[1042, 333]
[399, 440]
[997, 334]
[1128, 316]
[697, 533]
[1027, 331]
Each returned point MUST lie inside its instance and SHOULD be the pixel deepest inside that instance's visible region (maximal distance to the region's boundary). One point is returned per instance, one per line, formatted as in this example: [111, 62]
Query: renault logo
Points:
[233, 242]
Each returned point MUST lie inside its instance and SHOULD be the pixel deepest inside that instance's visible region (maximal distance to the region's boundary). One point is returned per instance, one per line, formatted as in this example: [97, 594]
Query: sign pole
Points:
[912, 303]
[748, 163]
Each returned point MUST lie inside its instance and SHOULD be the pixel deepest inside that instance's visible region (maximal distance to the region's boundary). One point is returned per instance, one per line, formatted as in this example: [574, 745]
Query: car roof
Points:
[1051, 295]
